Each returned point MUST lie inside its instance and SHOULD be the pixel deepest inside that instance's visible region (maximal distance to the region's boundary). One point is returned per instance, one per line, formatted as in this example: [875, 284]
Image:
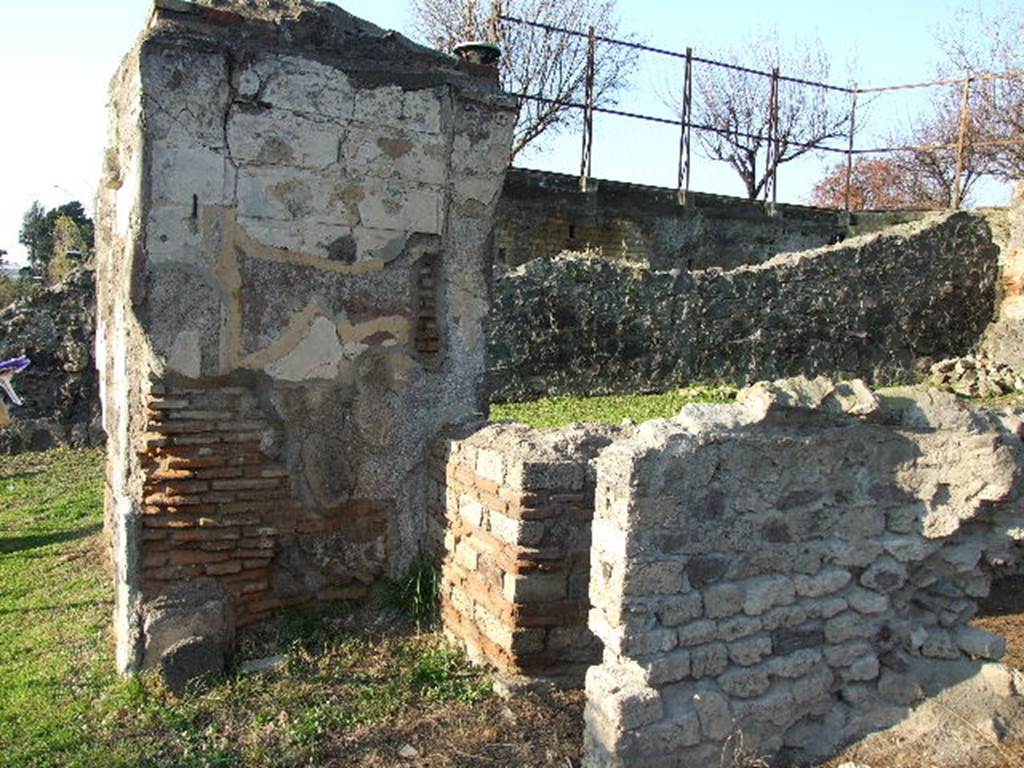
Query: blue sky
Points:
[56, 57]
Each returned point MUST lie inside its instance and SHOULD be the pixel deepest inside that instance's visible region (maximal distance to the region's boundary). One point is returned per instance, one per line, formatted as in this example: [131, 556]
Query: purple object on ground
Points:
[8, 368]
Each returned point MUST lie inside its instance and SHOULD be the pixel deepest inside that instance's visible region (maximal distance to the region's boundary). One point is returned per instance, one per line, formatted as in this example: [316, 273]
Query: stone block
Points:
[847, 626]
[826, 582]
[658, 578]
[708, 660]
[765, 593]
[721, 600]
[676, 610]
[697, 632]
[867, 601]
[794, 665]
[534, 587]
[192, 664]
[979, 644]
[862, 669]
[714, 714]
[750, 650]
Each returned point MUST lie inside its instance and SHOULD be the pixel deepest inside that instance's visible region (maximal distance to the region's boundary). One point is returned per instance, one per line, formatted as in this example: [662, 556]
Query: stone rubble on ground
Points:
[972, 376]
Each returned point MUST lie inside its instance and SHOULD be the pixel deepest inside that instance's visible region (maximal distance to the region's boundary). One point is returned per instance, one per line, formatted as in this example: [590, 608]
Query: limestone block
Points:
[885, 576]
[847, 626]
[676, 610]
[416, 111]
[534, 587]
[621, 697]
[793, 665]
[768, 592]
[185, 95]
[721, 600]
[940, 645]
[826, 582]
[750, 650]
[183, 173]
[302, 86]
[737, 627]
[708, 660]
[283, 138]
[867, 602]
[385, 153]
[471, 510]
[698, 632]
[667, 668]
[745, 683]
[862, 669]
[979, 644]
[714, 714]
[658, 578]
[490, 465]
[845, 654]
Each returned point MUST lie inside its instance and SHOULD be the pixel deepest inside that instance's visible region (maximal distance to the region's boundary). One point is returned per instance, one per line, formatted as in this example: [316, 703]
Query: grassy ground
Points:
[358, 687]
[355, 689]
[611, 409]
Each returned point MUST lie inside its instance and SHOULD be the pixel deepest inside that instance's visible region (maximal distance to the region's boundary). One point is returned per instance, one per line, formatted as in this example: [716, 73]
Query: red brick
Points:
[217, 473]
[189, 557]
[220, 569]
[246, 484]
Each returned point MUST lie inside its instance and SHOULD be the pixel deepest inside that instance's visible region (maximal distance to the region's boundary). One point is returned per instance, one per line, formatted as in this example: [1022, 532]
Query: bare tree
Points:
[981, 42]
[541, 63]
[737, 105]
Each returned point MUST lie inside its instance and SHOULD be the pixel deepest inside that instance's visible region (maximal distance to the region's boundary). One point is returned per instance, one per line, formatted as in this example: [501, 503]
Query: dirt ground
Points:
[546, 730]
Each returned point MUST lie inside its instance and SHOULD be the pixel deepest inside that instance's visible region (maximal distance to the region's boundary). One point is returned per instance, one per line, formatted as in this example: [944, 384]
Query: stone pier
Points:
[293, 257]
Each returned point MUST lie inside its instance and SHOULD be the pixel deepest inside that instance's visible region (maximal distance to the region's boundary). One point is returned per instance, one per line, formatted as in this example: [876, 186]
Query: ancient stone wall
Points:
[788, 572]
[880, 307]
[55, 329]
[541, 215]
[293, 265]
[515, 516]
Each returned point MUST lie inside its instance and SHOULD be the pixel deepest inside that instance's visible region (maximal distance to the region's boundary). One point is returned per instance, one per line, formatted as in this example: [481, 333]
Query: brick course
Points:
[217, 507]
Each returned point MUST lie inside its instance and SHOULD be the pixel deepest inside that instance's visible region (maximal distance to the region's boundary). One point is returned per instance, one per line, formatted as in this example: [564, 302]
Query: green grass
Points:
[350, 675]
[610, 409]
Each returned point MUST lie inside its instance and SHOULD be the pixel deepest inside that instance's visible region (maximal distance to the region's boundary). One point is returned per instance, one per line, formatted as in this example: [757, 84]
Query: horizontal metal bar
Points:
[677, 123]
[1015, 75]
[676, 54]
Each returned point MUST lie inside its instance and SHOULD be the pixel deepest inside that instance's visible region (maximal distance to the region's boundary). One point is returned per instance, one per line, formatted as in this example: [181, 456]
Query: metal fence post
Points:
[849, 147]
[683, 184]
[961, 144]
[586, 161]
[771, 156]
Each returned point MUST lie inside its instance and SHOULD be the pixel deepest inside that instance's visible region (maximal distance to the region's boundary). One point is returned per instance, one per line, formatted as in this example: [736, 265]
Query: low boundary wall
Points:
[882, 308]
[517, 547]
[791, 568]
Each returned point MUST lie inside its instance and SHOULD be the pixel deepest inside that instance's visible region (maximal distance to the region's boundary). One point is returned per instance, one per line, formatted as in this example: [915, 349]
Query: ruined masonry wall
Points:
[292, 275]
[785, 571]
[541, 215]
[881, 307]
[514, 507]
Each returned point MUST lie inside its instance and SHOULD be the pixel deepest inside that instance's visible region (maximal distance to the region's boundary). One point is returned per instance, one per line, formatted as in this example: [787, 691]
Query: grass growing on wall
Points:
[553, 412]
